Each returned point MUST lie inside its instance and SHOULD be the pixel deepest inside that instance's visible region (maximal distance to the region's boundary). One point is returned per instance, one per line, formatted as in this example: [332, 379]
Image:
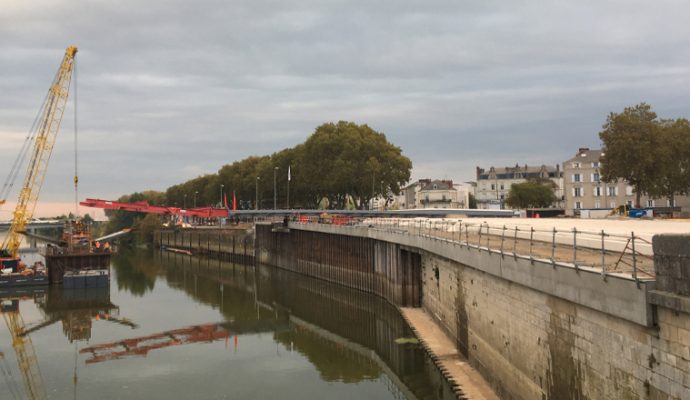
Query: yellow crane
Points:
[43, 133]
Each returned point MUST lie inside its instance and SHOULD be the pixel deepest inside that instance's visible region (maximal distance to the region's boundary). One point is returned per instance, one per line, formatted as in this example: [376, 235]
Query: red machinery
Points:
[145, 207]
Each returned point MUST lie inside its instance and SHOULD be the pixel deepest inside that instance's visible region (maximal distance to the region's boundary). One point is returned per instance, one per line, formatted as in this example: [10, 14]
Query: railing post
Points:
[515, 243]
[467, 235]
[553, 248]
[634, 260]
[479, 245]
[575, 248]
[603, 255]
[503, 235]
[531, 244]
[488, 238]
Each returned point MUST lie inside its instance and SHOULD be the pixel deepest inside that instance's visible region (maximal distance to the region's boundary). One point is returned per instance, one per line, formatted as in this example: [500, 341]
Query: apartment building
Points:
[436, 193]
[584, 189]
[494, 185]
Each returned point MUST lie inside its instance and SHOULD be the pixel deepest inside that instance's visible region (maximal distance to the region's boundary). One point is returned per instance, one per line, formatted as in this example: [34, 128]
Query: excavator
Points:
[42, 134]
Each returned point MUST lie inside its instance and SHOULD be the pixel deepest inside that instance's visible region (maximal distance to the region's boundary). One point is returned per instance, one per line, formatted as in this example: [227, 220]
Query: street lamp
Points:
[221, 194]
[256, 202]
[275, 206]
[195, 194]
[184, 204]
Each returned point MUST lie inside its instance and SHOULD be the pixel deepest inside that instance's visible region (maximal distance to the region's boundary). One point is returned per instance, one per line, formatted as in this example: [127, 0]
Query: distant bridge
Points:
[34, 225]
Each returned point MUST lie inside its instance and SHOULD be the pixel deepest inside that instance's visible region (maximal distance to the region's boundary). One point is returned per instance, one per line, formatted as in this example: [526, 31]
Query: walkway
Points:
[433, 338]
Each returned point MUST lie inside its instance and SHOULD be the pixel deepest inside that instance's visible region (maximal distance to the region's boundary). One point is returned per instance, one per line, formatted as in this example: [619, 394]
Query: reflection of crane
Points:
[43, 133]
[26, 358]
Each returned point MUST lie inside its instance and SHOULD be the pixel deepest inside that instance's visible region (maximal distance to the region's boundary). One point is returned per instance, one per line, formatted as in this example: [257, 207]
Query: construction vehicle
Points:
[43, 134]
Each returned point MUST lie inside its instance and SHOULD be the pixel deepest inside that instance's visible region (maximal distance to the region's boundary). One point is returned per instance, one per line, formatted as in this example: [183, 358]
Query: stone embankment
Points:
[534, 327]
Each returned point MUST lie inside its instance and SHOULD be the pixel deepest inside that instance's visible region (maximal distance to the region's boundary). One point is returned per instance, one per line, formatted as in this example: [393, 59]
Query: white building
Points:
[494, 185]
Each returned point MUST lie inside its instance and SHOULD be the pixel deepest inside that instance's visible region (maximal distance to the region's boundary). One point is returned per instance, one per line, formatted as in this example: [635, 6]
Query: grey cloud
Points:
[172, 89]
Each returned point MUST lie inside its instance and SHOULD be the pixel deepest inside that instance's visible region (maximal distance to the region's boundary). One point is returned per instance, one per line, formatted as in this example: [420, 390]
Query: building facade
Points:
[494, 185]
[584, 189]
[436, 193]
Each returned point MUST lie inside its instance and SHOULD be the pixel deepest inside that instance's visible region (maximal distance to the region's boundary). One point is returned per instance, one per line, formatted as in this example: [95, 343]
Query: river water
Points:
[177, 327]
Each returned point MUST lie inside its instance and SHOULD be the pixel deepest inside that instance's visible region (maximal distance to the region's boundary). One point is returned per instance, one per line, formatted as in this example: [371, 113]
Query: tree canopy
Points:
[652, 155]
[339, 161]
[531, 194]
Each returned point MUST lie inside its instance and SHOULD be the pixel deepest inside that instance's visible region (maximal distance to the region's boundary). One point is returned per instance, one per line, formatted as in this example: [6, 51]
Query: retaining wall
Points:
[534, 330]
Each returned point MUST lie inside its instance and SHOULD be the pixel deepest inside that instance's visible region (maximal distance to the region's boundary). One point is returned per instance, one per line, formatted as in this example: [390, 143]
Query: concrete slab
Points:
[452, 363]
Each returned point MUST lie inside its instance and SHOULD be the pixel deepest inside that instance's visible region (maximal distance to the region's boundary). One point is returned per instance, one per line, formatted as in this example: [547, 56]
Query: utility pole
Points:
[256, 202]
[221, 194]
[275, 194]
[195, 194]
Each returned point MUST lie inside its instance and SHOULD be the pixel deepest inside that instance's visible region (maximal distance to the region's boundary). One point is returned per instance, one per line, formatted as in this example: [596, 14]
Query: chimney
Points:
[583, 150]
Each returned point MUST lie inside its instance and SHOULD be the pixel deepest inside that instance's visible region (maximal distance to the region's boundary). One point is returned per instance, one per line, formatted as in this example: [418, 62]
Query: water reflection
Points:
[173, 326]
[348, 335]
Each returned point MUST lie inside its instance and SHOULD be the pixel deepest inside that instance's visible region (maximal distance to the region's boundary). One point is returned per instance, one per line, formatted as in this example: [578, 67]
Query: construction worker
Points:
[106, 247]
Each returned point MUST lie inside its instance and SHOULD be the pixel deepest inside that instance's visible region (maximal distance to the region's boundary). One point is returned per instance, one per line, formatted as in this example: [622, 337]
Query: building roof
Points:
[584, 154]
[520, 172]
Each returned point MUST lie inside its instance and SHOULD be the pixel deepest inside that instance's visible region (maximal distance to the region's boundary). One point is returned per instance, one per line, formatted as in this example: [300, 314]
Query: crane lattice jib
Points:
[26, 357]
[47, 129]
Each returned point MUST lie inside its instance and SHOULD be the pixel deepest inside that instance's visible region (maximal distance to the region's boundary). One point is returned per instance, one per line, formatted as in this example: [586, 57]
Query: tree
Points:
[530, 194]
[348, 159]
[629, 142]
[672, 154]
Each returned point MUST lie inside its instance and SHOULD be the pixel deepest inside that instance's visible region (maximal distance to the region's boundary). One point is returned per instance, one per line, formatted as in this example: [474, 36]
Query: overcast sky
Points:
[169, 90]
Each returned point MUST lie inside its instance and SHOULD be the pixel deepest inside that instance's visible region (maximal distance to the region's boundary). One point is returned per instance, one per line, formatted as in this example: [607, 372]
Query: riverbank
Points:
[443, 351]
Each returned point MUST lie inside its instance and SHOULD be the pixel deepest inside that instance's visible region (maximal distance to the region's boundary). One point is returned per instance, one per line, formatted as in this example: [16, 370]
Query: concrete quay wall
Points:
[534, 330]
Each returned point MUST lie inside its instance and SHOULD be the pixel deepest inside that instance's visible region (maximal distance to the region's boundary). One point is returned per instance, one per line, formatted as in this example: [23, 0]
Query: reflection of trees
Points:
[334, 362]
[136, 271]
[219, 284]
[361, 318]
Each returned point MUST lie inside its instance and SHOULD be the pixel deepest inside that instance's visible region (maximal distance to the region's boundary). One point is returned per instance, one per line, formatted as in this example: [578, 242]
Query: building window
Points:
[595, 177]
[595, 164]
[577, 192]
[613, 204]
[650, 203]
[613, 191]
[493, 187]
[578, 205]
[576, 165]
[597, 192]
[597, 203]
[628, 190]
[501, 186]
[670, 203]
[576, 178]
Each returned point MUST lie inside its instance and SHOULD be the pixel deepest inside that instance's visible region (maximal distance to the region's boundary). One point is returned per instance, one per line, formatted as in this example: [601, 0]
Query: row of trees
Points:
[338, 162]
[341, 162]
[652, 154]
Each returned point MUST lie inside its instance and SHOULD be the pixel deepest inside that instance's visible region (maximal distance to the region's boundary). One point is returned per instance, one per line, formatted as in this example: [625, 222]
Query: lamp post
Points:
[184, 203]
[275, 195]
[256, 201]
[221, 194]
[195, 194]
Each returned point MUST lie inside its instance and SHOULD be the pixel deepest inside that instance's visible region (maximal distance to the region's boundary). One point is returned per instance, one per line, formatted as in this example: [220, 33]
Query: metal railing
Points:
[602, 252]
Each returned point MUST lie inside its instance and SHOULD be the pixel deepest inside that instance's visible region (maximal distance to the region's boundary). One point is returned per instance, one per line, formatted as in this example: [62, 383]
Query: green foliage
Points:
[146, 227]
[530, 194]
[652, 155]
[628, 147]
[338, 161]
[671, 174]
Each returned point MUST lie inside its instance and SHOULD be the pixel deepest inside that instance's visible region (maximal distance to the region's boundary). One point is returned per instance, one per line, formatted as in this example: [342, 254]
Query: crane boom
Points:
[48, 126]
